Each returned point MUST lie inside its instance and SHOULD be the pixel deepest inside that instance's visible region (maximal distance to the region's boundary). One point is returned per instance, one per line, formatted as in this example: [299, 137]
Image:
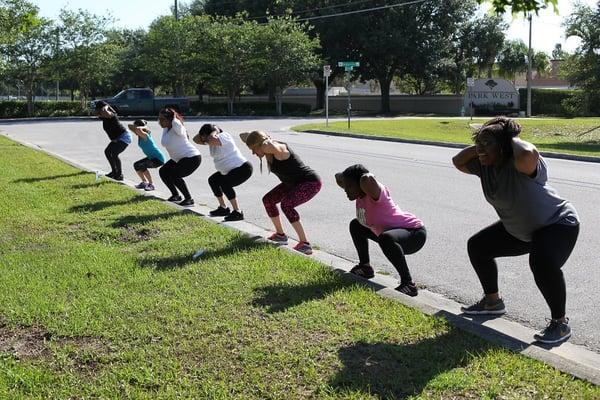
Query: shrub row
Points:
[257, 109]
[18, 109]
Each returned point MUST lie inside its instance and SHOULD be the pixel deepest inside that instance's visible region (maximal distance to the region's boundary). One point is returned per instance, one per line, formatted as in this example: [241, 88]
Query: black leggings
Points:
[172, 173]
[112, 152]
[220, 183]
[548, 250]
[395, 243]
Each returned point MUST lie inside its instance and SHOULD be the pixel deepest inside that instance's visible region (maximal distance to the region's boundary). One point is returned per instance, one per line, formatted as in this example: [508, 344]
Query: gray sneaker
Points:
[555, 332]
[483, 307]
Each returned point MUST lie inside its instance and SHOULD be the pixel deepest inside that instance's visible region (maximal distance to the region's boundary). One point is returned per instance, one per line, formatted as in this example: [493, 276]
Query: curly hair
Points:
[503, 129]
[355, 172]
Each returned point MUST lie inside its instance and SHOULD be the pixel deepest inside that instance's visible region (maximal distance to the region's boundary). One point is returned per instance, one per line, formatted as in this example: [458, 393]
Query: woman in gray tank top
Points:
[533, 220]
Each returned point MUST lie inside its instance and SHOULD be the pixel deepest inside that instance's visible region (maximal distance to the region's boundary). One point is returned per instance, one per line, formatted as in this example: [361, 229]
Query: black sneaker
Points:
[409, 289]
[110, 175]
[555, 332]
[118, 177]
[219, 212]
[483, 307]
[186, 202]
[175, 198]
[235, 215]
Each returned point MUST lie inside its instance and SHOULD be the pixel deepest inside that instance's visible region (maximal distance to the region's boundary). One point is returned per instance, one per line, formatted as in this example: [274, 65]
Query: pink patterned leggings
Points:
[290, 198]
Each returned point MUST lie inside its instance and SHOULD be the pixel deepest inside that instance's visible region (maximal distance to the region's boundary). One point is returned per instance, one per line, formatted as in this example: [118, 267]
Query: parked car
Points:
[141, 101]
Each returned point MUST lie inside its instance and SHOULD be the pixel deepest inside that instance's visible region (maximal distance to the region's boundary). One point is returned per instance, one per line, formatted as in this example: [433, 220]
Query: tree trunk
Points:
[230, 100]
[30, 101]
[278, 101]
[385, 94]
[320, 86]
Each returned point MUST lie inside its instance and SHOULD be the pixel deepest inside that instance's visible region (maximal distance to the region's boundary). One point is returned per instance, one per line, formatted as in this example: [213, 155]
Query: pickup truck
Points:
[141, 101]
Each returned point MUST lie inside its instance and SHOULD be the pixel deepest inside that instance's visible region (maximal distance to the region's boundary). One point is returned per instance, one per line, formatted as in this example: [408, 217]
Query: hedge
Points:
[563, 103]
[18, 109]
[258, 109]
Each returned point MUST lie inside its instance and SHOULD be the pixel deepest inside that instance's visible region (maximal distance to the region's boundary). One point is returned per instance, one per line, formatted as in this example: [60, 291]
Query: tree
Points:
[488, 38]
[513, 59]
[558, 53]
[518, 6]
[540, 63]
[26, 55]
[583, 67]
[233, 48]
[176, 51]
[16, 16]
[287, 55]
[83, 59]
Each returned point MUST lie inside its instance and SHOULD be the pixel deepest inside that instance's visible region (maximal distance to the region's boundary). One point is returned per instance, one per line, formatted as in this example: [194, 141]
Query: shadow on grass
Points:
[49, 178]
[238, 244]
[89, 185]
[279, 298]
[398, 371]
[100, 205]
[132, 220]
[590, 146]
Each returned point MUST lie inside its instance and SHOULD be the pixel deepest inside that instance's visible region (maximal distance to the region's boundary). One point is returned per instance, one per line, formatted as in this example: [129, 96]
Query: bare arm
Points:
[370, 186]
[213, 140]
[278, 150]
[526, 156]
[106, 112]
[139, 131]
[463, 157]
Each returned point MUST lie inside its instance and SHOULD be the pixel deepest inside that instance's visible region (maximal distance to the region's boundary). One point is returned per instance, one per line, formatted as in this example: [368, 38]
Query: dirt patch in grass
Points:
[132, 234]
[85, 354]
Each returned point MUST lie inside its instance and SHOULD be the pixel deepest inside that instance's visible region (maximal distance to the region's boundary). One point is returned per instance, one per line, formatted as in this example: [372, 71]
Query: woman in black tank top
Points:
[119, 137]
[299, 183]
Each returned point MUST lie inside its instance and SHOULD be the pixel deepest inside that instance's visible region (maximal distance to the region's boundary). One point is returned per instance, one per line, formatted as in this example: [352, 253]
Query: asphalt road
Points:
[422, 181]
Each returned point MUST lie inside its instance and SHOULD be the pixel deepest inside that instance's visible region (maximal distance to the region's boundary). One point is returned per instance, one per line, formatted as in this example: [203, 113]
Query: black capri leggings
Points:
[172, 173]
[220, 183]
[395, 243]
[548, 250]
[112, 152]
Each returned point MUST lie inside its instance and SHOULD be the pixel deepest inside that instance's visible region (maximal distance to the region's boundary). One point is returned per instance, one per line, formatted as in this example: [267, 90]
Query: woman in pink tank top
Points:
[379, 219]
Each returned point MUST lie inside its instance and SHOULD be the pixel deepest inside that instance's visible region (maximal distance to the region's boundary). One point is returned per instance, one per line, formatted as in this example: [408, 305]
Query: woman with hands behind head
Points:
[534, 220]
[378, 218]
[299, 184]
[232, 169]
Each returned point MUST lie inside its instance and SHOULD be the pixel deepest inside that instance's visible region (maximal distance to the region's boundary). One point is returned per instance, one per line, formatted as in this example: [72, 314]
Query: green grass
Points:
[100, 298]
[575, 136]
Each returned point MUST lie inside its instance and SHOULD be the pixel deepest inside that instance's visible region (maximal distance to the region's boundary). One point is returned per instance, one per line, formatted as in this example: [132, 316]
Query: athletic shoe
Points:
[409, 289]
[483, 307]
[279, 238]
[141, 185]
[110, 175]
[235, 215]
[149, 187]
[118, 177]
[555, 332]
[304, 248]
[364, 271]
[219, 212]
[175, 198]
[186, 202]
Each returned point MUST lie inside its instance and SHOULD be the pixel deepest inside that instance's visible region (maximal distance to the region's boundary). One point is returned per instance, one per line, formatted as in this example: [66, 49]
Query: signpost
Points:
[326, 74]
[470, 84]
[348, 66]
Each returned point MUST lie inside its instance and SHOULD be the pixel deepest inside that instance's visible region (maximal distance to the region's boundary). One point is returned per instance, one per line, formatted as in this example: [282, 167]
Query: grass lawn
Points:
[575, 136]
[100, 298]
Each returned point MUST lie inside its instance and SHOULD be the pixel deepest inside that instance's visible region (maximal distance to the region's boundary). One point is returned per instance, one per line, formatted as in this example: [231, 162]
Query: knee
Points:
[267, 201]
[107, 152]
[473, 247]
[385, 239]
[213, 180]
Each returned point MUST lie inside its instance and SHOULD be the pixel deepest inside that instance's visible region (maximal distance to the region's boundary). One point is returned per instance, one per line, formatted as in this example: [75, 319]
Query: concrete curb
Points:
[570, 358]
[562, 156]
[148, 117]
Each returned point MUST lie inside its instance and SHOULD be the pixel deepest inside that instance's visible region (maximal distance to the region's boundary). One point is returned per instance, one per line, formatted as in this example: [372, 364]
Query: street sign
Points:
[326, 70]
[347, 64]
[470, 82]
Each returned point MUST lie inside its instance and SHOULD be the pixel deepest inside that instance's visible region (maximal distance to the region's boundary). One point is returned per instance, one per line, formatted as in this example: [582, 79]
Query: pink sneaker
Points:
[278, 238]
[304, 248]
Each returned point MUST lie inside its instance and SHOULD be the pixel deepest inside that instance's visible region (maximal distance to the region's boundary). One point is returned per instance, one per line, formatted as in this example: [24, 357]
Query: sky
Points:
[546, 27]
